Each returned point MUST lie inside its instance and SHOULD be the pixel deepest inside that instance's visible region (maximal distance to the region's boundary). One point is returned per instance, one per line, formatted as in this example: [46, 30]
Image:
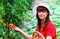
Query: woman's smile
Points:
[42, 15]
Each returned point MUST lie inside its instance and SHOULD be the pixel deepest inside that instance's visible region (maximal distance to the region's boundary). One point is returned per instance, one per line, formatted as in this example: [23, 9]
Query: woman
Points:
[44, 25]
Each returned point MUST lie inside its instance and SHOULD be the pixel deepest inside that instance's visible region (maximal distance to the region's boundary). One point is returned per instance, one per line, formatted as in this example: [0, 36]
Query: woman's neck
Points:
[42, 21]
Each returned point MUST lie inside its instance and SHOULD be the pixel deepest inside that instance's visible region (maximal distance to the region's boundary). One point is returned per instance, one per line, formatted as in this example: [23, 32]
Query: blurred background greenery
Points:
[19, 13]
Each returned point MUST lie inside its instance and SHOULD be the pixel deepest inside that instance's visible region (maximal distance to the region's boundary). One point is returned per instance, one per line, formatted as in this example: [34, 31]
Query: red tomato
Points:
[11, 25]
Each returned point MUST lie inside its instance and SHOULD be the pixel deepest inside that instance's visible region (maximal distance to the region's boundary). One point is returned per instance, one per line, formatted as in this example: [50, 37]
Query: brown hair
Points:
[39, 9]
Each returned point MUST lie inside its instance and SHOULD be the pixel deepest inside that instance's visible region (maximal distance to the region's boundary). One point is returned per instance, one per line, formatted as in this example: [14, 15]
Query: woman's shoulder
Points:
[51, 25]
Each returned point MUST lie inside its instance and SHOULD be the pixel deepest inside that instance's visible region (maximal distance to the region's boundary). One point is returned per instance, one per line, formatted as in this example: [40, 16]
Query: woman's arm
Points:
[49, 37]
[23, 33]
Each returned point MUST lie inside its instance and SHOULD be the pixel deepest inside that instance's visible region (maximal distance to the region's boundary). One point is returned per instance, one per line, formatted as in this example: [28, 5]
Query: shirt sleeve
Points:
[51, 30]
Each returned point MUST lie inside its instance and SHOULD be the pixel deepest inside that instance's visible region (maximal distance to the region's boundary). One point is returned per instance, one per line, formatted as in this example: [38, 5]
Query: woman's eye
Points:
[43, 11]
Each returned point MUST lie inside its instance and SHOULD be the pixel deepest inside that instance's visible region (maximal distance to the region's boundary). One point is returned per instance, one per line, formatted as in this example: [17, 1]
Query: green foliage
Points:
[13, 11]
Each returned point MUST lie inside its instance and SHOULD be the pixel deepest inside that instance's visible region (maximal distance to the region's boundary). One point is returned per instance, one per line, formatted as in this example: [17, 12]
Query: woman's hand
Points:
[15, 28]
[38, 35]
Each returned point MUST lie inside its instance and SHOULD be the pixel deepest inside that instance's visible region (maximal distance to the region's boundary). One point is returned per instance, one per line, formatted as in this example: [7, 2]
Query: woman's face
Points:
[42, 15]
